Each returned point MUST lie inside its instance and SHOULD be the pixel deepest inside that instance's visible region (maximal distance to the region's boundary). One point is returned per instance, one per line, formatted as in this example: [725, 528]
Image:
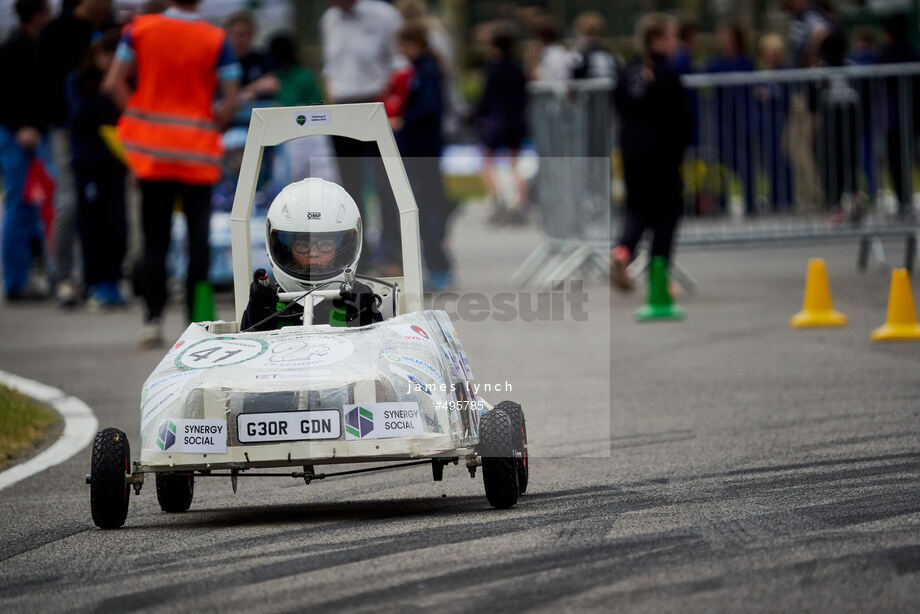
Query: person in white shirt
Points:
[359, 54]
[359, 48]
[555, 60]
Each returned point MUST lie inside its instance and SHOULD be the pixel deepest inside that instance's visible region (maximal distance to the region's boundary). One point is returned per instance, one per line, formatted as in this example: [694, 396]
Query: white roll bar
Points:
[363, 122]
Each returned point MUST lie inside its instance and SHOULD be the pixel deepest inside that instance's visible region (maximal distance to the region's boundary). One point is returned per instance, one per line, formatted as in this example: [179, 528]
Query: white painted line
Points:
[80, 427]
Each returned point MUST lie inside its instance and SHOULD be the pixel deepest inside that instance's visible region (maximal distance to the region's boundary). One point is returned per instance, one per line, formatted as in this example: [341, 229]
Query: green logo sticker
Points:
[301, 120]
[166, 436]
[359, 422]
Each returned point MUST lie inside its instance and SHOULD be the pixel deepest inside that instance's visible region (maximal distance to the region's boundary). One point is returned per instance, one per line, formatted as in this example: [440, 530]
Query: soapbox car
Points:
[226, 403]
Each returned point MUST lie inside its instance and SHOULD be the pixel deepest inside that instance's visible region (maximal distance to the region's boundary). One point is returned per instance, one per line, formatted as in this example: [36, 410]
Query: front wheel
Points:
[175, 492]
[499, 468]
[519, 426]
[109, 490]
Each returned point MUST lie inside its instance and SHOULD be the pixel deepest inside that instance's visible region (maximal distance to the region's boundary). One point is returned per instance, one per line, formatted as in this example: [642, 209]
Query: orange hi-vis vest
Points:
[168, 128]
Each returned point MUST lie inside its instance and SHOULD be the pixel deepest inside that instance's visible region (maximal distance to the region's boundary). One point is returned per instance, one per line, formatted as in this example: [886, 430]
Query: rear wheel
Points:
[496, 449]
[109, 491]
[175, 492]
[519, 426]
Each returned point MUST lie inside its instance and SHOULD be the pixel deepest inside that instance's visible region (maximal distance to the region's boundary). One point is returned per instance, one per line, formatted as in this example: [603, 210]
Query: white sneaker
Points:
[66, 294]
[151, 335]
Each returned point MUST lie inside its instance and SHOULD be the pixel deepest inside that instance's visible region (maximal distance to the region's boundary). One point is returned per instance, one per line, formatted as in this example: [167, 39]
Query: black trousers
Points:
[102, 222]
[654, 201]
[158, 199]
[662, 224]
[351, 156]
[434, 209]
[901, 165]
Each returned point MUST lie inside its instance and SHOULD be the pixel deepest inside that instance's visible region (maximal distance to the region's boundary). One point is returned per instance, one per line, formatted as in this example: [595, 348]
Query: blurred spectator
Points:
[809, 26]
[500, 116]
[442, 46]
[772, 108]
[257, 82]
[593, 60]
[170, 133]
[865, 47]
[100, 176]
[682, 61]
[655, 127]
[312, 156]
[397, 93]
[903, 123]
[839, 133]
[733, 110]
[359, 53]
[419, 137]
[61, 46]
[687, 42]
[555, 63]
[297, 85]
[152, 7]
[865, 53]
[439, 40]
[21, 141]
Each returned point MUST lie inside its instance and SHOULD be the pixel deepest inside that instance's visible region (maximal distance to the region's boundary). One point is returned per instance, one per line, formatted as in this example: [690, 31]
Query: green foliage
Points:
[23, 424]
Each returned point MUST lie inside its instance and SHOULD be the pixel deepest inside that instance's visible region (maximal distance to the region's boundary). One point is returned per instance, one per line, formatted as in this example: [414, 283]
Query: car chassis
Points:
[224, 402]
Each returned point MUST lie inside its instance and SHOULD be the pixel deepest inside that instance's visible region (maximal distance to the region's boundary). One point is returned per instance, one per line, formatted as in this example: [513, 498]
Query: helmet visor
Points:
[313, 256]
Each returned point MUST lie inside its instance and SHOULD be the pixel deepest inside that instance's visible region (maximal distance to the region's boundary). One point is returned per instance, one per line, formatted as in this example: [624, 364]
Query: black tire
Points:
[519, 426]
[109, 492]
[175, 492]
[499, 469]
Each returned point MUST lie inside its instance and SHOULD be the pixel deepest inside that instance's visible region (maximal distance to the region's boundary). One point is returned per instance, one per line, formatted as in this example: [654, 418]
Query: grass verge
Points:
[23, 424]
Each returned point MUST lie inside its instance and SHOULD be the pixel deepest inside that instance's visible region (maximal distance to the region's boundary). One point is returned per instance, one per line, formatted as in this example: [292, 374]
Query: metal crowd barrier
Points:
[791, 156]
[778, 158]
[571, 126]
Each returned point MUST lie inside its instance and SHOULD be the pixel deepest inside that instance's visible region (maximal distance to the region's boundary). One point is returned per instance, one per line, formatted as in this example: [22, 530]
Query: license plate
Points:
[289, 426]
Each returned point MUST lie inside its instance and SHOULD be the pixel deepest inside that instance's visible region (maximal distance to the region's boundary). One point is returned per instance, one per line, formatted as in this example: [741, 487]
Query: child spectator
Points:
[297, 85]
[419, 132]
[592, 58]
[501, 119]
[655, 129]
[771, 100]
[555, 60]
[100, 176]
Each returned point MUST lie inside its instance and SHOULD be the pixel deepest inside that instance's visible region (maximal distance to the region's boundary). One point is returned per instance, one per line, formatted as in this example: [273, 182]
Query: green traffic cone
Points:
[660, 304]
[203, 304]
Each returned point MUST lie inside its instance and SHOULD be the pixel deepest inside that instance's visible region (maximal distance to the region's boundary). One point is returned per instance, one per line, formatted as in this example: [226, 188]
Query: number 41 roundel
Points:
[219, 352]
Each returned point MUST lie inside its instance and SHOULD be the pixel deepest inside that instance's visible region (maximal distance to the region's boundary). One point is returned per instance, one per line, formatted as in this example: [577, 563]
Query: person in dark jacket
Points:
[593, 58]
[656, 127]
[22, 138]
[100, 176]
[61, 46]
[419, 136]
[733, 108]
[501, 119]
[903, 123]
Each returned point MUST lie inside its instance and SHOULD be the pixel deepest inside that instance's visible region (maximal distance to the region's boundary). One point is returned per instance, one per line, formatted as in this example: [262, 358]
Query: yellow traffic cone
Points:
[902, 317]
[817, 308]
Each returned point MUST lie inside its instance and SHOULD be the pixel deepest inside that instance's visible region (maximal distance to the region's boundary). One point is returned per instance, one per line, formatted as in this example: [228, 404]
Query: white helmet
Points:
[312, 234]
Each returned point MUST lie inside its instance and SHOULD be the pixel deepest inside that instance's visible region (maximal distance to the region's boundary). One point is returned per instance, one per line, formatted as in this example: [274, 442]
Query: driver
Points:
[312, 236]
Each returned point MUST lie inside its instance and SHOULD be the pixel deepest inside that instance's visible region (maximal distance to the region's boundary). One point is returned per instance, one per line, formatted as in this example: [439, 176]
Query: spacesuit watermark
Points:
[567, 304]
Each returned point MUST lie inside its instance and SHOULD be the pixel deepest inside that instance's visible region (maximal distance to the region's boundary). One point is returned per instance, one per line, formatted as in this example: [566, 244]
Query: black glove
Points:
[360, 305]
[262, 291]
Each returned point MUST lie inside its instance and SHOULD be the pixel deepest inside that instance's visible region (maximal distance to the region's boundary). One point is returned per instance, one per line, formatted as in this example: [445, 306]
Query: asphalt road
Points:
[720, 464]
